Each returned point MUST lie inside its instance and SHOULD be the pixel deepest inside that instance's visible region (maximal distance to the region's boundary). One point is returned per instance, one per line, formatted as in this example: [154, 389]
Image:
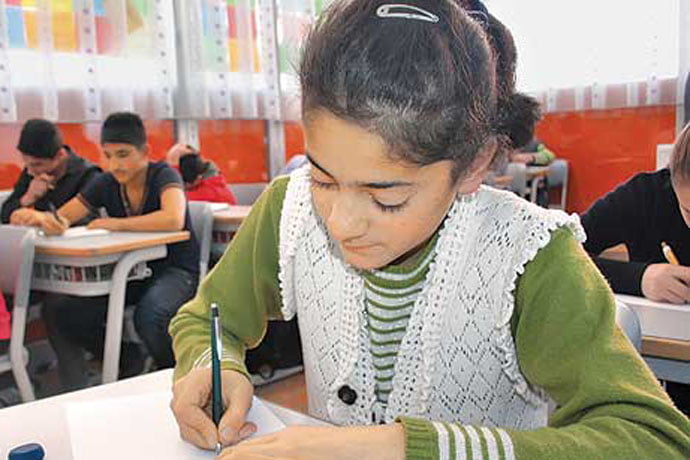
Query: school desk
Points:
[225, 224]
[98, 265]
[665, 336]
[44, 421]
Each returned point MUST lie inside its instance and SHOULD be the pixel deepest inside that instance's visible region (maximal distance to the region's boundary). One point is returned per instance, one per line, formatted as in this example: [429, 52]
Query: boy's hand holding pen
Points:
[53, 223]
[667, 282]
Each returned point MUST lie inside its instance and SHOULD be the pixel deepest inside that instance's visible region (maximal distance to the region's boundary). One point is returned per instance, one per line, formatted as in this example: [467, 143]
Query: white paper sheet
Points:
[141, 427]
[81, 231]
[219, 206]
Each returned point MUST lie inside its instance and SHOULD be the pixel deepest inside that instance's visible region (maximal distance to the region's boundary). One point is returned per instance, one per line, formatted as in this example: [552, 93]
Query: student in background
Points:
[646, 211]
[439, 318]
[52, 173]
[203, 181]
[138, 195]
[534, 153]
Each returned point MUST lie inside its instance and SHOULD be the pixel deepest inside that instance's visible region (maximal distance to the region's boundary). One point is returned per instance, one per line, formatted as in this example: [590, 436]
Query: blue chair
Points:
[17, 249]
[627, 320]
[201, 215]
[558, 177]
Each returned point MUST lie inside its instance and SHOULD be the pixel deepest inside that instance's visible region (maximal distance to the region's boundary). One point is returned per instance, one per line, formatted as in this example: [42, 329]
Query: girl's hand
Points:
[191, 406]
[109, 223]
[381, 442]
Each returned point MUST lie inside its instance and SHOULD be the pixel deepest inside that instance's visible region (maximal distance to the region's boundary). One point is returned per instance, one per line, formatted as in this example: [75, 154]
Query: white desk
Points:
[225, 224]
[100, 265]
[665, 337]
[44, 421]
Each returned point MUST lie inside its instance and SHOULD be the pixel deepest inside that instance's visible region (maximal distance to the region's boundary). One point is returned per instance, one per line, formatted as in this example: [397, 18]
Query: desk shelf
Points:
[81, 280]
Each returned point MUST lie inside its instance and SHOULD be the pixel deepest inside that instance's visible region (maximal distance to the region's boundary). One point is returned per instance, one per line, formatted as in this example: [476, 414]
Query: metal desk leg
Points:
[534, 189]
[116, 306]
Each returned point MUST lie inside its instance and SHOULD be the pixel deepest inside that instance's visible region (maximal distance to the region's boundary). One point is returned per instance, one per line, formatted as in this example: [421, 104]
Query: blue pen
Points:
[216, 353]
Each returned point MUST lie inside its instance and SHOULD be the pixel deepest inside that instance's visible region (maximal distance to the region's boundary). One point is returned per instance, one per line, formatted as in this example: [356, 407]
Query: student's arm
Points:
[609, 403]
[168, 219]
[613, 220]
[245, 285]
[543, 156]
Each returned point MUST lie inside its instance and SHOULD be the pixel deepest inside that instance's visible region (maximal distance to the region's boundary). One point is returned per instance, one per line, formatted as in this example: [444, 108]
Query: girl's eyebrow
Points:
[375, 185]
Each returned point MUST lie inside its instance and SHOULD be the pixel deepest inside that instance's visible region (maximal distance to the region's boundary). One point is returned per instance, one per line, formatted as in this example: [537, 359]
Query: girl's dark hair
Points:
[433, 91]
[680, 158]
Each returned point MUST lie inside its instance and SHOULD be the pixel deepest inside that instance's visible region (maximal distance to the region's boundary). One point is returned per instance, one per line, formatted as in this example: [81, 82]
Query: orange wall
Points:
[606, 147]
[236, 146]
[294, 140]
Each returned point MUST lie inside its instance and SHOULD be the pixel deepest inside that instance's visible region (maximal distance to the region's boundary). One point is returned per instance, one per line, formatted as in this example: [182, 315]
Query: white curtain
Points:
[241, 57]
[595, 54]
[78, 60]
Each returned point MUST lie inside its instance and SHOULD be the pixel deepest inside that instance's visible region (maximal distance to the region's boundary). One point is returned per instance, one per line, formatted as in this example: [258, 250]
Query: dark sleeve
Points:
[612, 220]
[167, 177]
[92, 195]
[89, 175]
[12, 202]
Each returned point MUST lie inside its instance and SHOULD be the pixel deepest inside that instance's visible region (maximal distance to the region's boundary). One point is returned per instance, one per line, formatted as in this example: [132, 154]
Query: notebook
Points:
[142, 427]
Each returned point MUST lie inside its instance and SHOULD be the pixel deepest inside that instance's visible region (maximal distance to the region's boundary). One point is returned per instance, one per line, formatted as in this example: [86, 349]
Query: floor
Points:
[289, 392]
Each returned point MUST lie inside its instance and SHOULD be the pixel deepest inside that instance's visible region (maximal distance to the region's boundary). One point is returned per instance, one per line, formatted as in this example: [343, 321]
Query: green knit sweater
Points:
[609, 403]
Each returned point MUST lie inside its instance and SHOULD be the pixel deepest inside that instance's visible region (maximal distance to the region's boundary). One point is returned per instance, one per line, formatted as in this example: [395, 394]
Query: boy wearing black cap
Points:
[138, 195]
[53, 173]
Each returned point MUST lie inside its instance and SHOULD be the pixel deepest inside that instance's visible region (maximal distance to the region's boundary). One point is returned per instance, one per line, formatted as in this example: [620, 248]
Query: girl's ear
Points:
[477, 171]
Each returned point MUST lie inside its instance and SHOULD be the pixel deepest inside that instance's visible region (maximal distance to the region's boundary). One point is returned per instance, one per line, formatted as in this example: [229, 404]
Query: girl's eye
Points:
[323, 185]
[390, 207]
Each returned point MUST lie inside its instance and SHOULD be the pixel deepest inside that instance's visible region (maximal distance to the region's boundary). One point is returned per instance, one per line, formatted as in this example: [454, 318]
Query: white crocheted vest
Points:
[457, 361]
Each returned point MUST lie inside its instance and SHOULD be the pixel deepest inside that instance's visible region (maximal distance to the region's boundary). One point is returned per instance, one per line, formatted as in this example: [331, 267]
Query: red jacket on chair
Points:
[5, 320]
[213, 189]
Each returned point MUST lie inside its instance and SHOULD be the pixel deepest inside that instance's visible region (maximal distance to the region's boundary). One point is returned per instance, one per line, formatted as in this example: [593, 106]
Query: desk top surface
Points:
[232, 215]
[112, 243]
[44, 421]
[664, 327]
[534, 171]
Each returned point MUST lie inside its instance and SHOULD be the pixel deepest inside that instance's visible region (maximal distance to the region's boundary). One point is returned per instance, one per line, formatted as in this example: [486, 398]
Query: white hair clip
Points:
[399, 10]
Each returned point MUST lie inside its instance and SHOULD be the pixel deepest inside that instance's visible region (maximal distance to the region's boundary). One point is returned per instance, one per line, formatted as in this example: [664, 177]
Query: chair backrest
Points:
[246, 194]
[558, 173]
[201, 215]
[518, 171]
[17, 260]
[4, 194]
[558, 177]
[627, 320]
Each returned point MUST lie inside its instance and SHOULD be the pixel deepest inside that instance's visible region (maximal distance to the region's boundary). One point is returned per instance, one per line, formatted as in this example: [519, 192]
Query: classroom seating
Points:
[558, 177]
[4, 194]
[627, 320]
[246, 194]
[201, 215]
[17, 249]
[518, 171]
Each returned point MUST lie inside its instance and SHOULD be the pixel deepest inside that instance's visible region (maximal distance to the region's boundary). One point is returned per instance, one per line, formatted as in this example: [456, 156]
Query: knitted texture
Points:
[457, 360]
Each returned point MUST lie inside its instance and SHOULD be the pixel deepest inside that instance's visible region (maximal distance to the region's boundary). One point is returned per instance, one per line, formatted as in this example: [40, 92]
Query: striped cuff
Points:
[453, 441]
[227, 362]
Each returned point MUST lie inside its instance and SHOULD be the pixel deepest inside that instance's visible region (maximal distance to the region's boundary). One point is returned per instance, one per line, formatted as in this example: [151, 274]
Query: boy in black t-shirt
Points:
[138, 195]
